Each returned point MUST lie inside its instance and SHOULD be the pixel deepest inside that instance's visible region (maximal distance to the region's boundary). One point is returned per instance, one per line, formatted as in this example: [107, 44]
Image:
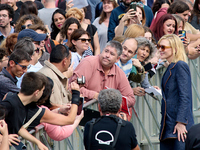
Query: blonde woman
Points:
[134, 31]
[176, 106]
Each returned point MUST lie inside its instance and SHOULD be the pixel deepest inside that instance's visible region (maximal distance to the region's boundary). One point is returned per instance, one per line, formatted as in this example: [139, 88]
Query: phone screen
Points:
[80, 106]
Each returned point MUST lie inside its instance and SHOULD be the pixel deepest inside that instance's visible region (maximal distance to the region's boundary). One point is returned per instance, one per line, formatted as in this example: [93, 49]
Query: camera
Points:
[81, 80]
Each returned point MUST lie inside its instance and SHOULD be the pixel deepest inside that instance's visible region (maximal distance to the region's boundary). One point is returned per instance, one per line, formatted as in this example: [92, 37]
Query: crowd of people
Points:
[115, 47]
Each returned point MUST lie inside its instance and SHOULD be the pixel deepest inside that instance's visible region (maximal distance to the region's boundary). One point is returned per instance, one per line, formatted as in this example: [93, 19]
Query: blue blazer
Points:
[177, 99]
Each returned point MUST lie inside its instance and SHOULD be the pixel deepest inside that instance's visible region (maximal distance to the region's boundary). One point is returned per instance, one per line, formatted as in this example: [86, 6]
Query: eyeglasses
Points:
[23, 67]
[84, 40]
[37, 50]
[24, 26]
[162, 47]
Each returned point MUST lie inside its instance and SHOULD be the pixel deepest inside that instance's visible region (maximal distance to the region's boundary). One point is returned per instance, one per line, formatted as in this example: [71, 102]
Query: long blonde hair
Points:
[177, 47]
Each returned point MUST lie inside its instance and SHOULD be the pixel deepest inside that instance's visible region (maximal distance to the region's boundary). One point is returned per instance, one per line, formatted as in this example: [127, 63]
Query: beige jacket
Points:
[60, 95]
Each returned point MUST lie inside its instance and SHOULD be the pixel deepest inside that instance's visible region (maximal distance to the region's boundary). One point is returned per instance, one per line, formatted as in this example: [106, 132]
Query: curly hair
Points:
[11, 40]
[76, 13]
[34, 19]
[142, 41]
[109, 100]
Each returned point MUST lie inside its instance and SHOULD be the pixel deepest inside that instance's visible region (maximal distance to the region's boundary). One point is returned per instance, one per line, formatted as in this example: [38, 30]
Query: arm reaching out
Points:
[26, 135]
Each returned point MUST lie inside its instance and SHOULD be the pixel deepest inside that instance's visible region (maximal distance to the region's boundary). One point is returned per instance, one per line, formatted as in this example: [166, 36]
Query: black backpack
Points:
[104, 146]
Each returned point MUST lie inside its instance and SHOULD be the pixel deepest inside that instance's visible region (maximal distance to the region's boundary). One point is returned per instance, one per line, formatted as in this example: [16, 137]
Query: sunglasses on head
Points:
[84, 40]
[162, 47]
[24, 26]
[23, 67]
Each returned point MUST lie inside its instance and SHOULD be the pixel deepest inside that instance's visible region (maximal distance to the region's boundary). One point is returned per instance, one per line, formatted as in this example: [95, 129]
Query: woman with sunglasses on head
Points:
[167, 24]
[80, 40]
[176, 108]
[26, 21]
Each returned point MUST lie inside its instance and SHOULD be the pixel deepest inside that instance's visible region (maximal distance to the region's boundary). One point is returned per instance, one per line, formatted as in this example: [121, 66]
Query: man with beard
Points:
[16, 9]
[6, 16]
[119, 11]
[100, 72]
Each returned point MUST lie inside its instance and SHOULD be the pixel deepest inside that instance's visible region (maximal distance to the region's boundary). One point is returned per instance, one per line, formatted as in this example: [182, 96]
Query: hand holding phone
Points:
[182, 34]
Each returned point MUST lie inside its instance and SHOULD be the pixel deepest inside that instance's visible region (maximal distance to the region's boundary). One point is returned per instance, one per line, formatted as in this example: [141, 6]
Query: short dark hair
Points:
[8, 8]
[18, 56]
[177, 7]
[28, 7]
[2, 53]
[110, 100]
[58, 53]
[76, 35]
[32, 81]
[116, 45]
[25, 44]
[45, 98]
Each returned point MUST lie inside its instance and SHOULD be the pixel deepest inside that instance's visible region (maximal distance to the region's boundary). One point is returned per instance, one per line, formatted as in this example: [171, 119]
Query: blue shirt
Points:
[125, 67]
[2, 37]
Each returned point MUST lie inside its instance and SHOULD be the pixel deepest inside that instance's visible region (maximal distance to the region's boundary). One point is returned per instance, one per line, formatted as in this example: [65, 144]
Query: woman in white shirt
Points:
[80, 40]
[102, 22]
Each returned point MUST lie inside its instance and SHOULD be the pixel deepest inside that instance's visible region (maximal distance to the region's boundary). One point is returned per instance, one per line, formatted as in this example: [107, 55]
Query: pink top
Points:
[56, 132]
[95, 79]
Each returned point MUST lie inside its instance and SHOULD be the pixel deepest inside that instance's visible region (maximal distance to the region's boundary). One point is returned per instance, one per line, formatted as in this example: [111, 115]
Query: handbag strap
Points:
[32, 119]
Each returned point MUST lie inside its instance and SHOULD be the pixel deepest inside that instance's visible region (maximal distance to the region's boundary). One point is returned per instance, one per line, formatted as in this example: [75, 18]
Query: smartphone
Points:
[183, 34]
[21, 146]
[133, 6]
[80, 106]
[148, 67]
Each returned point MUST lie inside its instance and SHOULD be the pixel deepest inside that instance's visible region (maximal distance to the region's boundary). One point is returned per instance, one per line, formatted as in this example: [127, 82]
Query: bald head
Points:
[129, 50]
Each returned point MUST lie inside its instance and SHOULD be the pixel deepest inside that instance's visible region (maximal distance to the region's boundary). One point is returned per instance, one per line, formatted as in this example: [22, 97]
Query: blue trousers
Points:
[172, 144]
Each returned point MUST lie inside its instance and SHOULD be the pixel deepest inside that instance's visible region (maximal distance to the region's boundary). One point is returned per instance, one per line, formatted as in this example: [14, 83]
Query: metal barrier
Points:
[146, 117]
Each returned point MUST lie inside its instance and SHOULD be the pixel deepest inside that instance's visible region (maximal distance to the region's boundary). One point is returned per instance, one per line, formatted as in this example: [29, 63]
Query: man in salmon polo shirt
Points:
[100, 71]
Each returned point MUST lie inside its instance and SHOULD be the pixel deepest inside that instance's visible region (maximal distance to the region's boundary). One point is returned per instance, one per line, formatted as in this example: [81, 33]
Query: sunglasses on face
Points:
[84, 40]
[23, 67]
[162, 47]
[37, 50]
